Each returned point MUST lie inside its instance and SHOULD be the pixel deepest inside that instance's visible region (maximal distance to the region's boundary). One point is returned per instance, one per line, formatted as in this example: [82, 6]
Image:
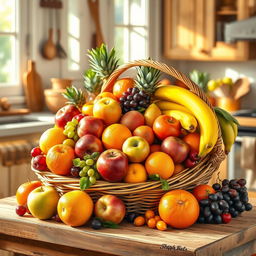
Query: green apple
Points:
[136, 148]
[42, 202]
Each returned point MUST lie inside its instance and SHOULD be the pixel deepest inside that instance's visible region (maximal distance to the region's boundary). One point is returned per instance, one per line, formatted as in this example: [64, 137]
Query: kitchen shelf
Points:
[227, 12]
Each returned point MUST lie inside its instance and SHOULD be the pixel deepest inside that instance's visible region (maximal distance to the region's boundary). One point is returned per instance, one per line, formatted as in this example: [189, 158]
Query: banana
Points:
[228, 133]
[235, 128]
[205, 116]
[167, 105]
[187, 121]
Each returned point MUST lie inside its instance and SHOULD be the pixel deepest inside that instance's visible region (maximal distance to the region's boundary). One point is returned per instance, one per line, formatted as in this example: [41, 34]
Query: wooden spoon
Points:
[240, 88]
[49, 48]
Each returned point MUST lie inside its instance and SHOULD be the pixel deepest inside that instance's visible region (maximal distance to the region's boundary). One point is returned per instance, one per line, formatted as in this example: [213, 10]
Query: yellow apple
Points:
[42, 202]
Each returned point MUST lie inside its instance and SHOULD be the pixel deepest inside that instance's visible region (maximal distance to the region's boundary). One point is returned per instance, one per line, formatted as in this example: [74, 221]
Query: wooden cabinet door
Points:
[188, 28]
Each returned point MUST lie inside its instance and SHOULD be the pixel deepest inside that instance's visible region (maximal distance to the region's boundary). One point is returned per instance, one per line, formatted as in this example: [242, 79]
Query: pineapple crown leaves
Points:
[147, 79]
[200, 78]
[74, 96]
[92, 81]
[102, 61]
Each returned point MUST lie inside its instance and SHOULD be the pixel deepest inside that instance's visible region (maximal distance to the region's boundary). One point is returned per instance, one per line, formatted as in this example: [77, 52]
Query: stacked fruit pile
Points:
[138, 132]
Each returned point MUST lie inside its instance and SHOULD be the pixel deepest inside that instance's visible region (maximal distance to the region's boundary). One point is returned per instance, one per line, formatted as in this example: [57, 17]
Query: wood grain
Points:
[126, 240]
[246, 121]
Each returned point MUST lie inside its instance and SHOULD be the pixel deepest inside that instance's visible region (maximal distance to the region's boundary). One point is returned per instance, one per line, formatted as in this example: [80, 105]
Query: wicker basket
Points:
[139, 197]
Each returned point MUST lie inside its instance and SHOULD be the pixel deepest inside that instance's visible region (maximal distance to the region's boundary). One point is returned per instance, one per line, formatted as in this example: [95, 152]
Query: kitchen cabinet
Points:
[193, 30]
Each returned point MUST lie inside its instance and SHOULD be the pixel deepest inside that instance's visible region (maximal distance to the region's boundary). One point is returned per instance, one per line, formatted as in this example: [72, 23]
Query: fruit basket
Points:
[138, 197]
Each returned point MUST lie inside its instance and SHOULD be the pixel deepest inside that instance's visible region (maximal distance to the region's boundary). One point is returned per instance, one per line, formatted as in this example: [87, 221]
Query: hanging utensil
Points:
[61, 53]
[94, 10]
[49, 48]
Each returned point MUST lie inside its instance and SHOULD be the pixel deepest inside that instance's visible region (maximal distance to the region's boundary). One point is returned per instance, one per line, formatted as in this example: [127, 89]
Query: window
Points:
[131, 29]
[8, 42]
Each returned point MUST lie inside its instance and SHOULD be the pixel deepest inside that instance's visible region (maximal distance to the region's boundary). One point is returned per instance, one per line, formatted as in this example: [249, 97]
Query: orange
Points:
[115, 135]
[75, 208]
[122, 86]
[139, 221]
[50, 138]
[193, 140]
[59, 159]
[104, 95]
[136, 173]
[157, 218]
[161, 225]
[155, 148]
[178, 168]
[149, 214]
[179, 208]
[151, 223]
[24, 190]
[87, 109]
[160, 163]
[145, 132]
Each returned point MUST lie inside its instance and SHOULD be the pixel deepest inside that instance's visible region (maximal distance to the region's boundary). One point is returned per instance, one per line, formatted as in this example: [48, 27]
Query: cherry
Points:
[39, 163]
[57, 218]
[21, 210]
[226, 217]
[190, 163]
[36, 152]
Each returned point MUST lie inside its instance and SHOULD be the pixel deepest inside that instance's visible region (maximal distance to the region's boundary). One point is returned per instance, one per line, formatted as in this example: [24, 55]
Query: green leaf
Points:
[226, 115]
[84, 183]
[107, 223]
[154, 177]
[165, 185]
[76, 162]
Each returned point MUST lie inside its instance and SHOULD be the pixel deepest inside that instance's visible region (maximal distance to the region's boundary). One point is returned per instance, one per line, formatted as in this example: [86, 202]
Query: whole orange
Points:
[104, 95]
[87, 109]
[121, 86]
[160, 163]
[59, 159]
[202, 191]
[75, 208]
[24, 190]
[136, 173]
[51, 137]
[115, 135]
[193, 140]
[108, 109]
[145, 132]
[179, 208]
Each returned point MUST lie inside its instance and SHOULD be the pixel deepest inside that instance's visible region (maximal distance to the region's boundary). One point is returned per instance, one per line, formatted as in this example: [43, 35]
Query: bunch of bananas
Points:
[229, 127]
[191, 111]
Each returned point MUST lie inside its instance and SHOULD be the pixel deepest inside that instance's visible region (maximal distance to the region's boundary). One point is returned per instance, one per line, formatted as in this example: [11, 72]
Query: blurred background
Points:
[213, 42]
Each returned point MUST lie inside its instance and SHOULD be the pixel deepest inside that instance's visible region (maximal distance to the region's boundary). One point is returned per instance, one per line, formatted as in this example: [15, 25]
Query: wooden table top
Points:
[201, 239]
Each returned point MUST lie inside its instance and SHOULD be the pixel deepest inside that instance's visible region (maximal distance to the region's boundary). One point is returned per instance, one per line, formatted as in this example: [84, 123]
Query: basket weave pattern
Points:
[139, 197]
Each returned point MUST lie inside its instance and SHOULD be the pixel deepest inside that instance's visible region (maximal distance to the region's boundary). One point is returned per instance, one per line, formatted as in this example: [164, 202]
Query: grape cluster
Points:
[86, 167]
[230, 199]
[70, 129]
[134, 99]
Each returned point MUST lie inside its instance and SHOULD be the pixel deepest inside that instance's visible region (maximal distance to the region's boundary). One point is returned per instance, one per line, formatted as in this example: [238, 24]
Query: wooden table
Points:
[30, 236]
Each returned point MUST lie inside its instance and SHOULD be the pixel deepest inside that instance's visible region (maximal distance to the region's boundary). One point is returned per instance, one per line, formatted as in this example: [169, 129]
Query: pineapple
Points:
[92, 82]
[147, 79]
[102, 61]
[76, 97]
[200, 78]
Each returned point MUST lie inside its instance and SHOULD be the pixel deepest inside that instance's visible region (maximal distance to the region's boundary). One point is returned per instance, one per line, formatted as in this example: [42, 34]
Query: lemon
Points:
[212, 85]
[227, 80]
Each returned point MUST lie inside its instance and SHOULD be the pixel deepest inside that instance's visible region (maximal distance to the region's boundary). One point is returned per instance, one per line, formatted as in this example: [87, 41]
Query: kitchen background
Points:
[188, 35]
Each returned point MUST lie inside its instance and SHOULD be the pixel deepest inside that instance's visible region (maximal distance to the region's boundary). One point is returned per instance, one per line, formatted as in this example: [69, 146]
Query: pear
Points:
[151, 113]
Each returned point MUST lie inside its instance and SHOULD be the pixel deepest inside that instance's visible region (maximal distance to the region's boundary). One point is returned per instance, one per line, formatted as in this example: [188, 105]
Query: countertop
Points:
[246, 121]
[25, 124]
[31, 236]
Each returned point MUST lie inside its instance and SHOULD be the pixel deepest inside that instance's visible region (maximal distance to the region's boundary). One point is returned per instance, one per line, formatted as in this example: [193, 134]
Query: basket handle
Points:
[108, 86]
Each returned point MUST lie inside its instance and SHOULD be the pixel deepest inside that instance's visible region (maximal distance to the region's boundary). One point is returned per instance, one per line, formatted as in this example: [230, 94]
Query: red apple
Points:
[87, 145]
[90, 125]
[65, 115]
[176, 148]
[112, 165]
[110, 208]
[132, 119]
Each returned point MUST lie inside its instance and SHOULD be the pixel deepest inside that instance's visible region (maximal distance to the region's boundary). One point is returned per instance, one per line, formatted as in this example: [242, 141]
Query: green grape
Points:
[76, 137]
[71, 134]
[74, 121]
[65, 132]
[70, 129]
[87, 156]
[86, 168]
[82, 173]
[82, 164]
[90, 172]
[97, 175]
[89, 162]
[95, 155]
[92, 180]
